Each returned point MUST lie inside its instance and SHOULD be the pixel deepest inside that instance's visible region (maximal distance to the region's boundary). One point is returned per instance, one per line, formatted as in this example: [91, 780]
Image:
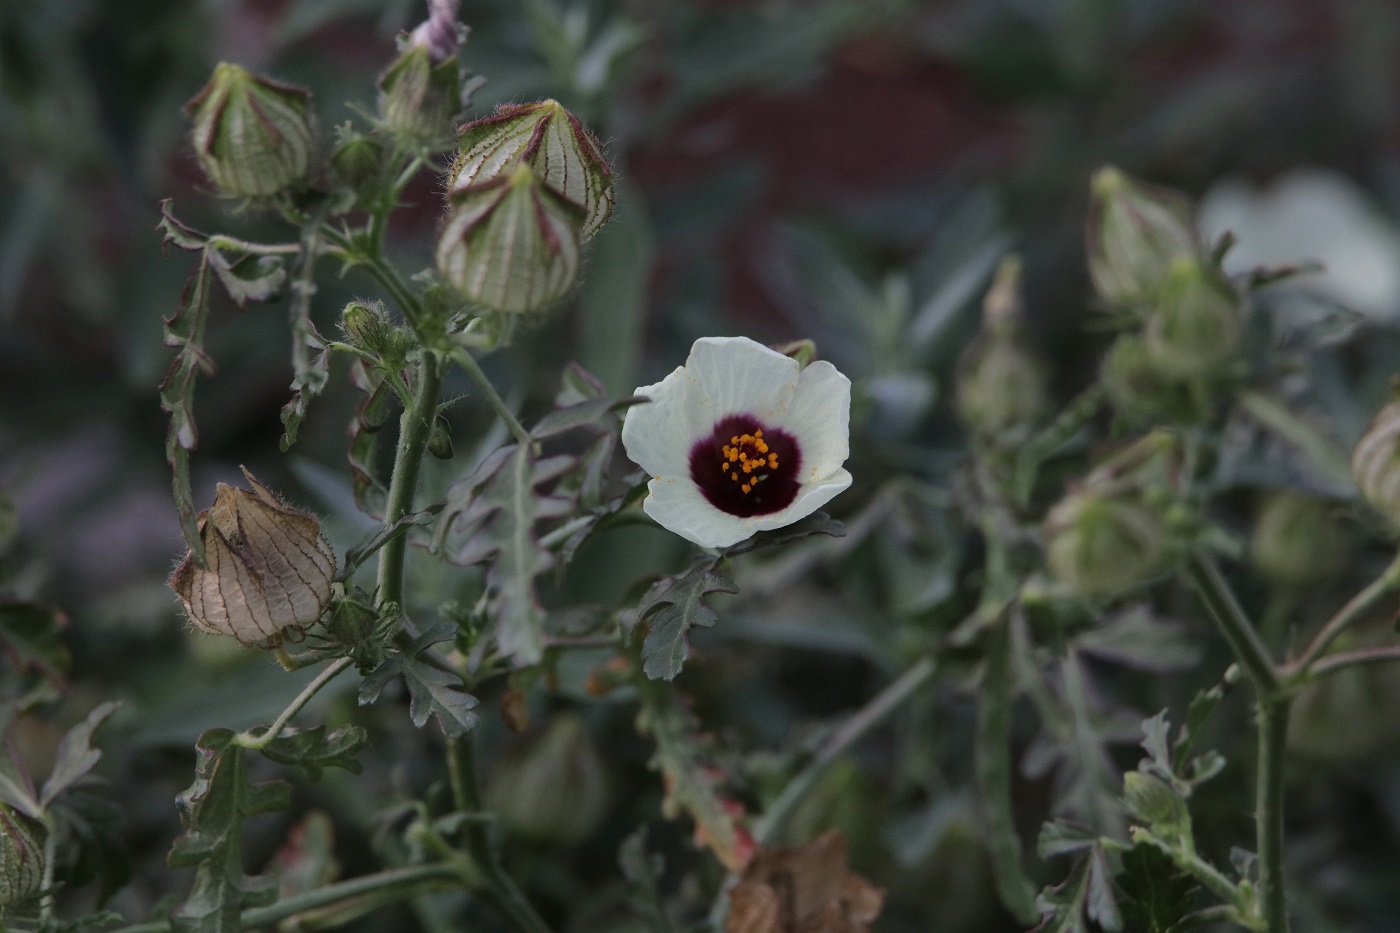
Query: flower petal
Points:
[820, 419]
[658, 434]
[735, 374]
[677, 505]
[810, 497]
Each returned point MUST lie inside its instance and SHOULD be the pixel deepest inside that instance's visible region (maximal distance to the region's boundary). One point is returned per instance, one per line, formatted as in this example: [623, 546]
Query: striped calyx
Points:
[21, 857]
[565, 156]
[1136, 232]
[268, 568]
[252, 135]
[1375, 463]
[510, 243]
[1195, 325]
[1100, 544]
[419, 99]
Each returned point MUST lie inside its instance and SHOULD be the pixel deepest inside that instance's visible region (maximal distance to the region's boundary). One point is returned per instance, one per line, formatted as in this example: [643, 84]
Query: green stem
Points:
[1235, 626]
[402, 882]
[466, 794]
[766, 830]
[1345, 659]
[261, 741]
[380, 220]
[1359, 605]
[414, 428]
[1268, 813]
[468, 362]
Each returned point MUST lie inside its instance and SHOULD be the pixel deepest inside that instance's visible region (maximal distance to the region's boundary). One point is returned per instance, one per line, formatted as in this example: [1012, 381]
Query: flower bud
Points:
[1194, 327]
[21, 857]
[1141, 393]
[357, 159]
[555, 791]
[252, 135]
[1151, 800]
[440, 438]
[419, 98]
[268, 568]
[1375, 463]
[1351, 714]
[1136, 232]
[1296, 541]
[566, 157]
[1000, 382]
[1100, 544]
[510, 243]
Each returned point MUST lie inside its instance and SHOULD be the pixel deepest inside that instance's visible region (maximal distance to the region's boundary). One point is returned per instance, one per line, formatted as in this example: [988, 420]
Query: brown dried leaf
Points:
[808, 889]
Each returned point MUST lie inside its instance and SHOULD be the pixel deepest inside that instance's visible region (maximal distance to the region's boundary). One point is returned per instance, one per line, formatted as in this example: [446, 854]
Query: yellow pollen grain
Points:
[734, 476]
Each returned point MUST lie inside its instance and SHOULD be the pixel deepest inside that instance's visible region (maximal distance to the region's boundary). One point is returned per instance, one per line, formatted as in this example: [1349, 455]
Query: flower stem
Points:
[468, 362]
[1235, 626]
[1272, 717]
[1342, 660]
[466, 794]
[393, 884]
[851, 731]
[261, 741]
[1358, 606]
[414, 428]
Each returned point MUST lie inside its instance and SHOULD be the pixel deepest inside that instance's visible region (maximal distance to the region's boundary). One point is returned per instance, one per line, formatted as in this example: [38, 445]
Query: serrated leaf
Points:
[692, 782]
[1202, 705]
[76, 756]
[1138, 639]
[818, 523]
[432, 691]
[1060, 838]
[310, 365]
[366, 547]
[671, 608]
[591, 413]
[212, 810]
[1157, 894]
[248, 277]
[1155, 742]
[370, 417]
[491, 516]
[313, 751]
[1099, 901]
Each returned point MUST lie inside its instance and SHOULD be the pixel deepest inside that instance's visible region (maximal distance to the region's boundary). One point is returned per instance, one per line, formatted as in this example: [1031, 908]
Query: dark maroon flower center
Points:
[746, 468]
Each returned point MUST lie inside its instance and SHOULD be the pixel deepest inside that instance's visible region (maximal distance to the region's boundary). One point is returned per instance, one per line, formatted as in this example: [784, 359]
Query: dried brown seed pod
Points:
[268, 569]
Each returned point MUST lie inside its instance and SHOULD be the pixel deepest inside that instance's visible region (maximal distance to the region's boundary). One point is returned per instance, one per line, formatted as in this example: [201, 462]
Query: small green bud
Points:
[440, 438]
[1349, 715]
[252, 135]
[555, 791]
[510, 243]
[357, 159]
[21, 857]
[1375, 463]
[1101, 544]
[367, 325]
[1141, 393]
[419, 98]
[804, 351]
[1136, 232]
[566, 157]
[1152, 801]
[1296, 540]
[1000, 381]
[1194, 327]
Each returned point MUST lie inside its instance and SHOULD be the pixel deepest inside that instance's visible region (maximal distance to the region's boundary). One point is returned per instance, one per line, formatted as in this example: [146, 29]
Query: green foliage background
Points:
[846, 171]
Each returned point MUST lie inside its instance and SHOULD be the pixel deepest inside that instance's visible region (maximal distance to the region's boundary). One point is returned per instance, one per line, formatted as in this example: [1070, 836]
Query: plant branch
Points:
[1268, 811]
[851, 731]
[1359, 605]
[468, 362]
[262, 740]
[414, 429]
[1344, 659]
[1235, 626]
[466, 794]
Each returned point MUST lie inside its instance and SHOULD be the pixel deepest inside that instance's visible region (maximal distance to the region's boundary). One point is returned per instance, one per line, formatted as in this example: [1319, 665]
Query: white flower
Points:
[740, 440]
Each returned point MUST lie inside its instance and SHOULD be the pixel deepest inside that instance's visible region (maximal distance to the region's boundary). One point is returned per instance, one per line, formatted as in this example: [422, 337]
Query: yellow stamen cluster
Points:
[738, 459]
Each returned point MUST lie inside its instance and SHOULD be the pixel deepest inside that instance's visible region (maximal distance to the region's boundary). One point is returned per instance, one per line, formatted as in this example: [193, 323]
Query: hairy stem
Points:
[466, 794]
[386, 886]
[414, 428]
[256, 742]
[1235, 626]
[468, 362]
[1268, 813]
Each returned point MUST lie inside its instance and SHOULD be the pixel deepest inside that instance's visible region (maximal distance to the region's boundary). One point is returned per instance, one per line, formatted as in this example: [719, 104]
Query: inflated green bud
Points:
[21, 857]
[1101, 544]
[1195, 324]
[510, 243]
[252, 135]
[1141, 393]
[357, 159]
[420, 98]
[1375, 463]
[1136, 232]
[368, 327]
[1000, 381]
[1152, 801]
[564, 154]
[1296, 539]
[555, 791]
[440, 438]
